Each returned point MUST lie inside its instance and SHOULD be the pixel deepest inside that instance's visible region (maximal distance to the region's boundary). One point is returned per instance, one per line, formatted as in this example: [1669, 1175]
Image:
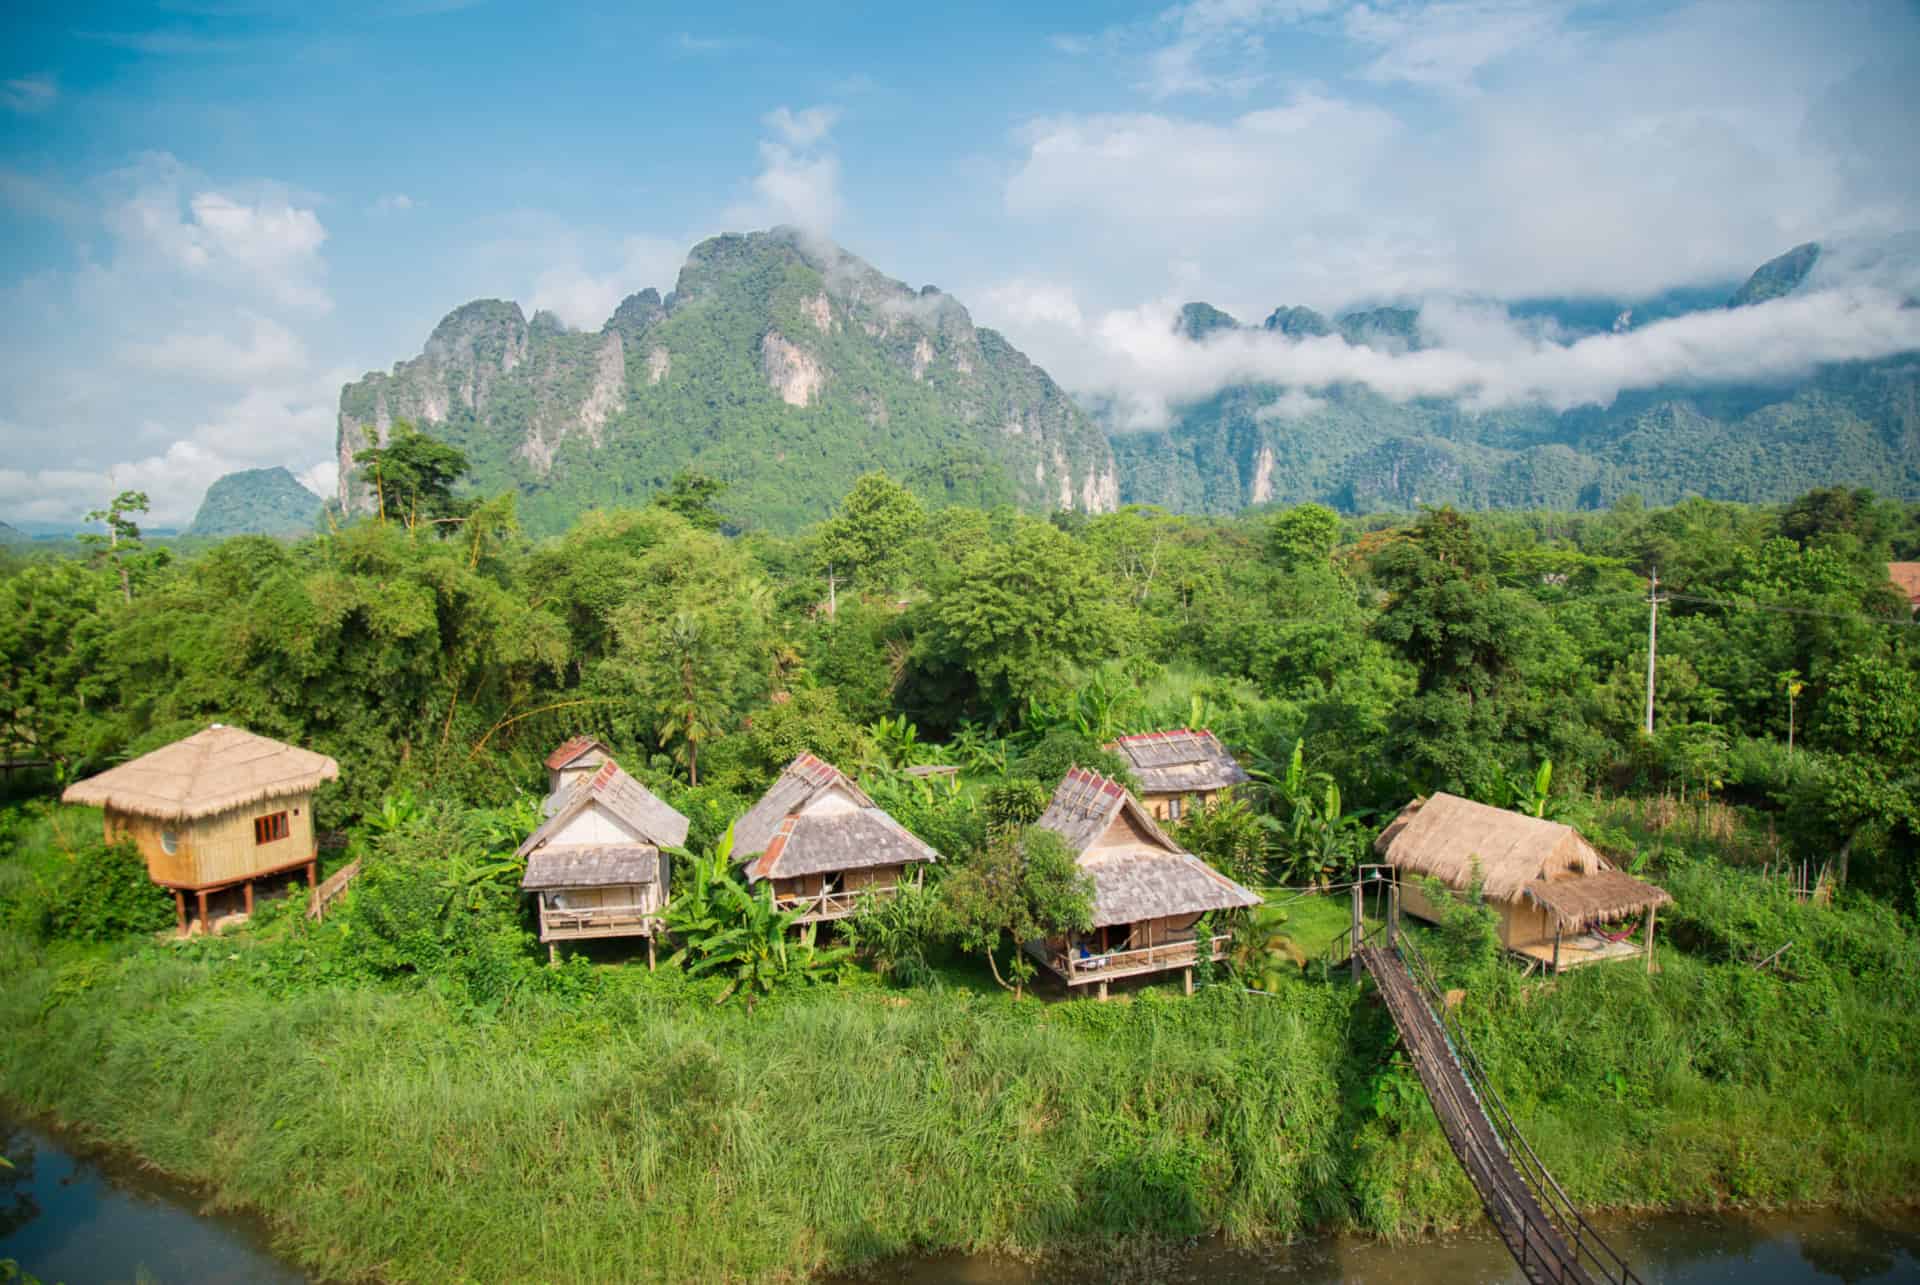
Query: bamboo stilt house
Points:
[1148, 893]
[595, 864]
[217, 810]
[1179, 770]
[1552, 889]
[824, 844]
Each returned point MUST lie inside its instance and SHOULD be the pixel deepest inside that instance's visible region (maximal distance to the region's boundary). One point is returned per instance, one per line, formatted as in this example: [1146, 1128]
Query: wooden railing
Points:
[1171, 954]
[587, 921]
[832, 905]
[326, 893]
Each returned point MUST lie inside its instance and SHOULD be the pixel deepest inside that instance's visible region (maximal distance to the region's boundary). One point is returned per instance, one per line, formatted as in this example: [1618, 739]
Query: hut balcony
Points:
[1077, 970]
[570, 924]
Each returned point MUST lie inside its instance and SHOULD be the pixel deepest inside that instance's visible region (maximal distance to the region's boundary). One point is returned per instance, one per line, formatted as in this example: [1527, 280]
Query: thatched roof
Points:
[621, 796]
[1148, 877]
[814, 820]
[597, 866]
[573, 748]
[1906, 578]
[1584, 900]
[1519, 858]
[210, 772]
[1179, 762]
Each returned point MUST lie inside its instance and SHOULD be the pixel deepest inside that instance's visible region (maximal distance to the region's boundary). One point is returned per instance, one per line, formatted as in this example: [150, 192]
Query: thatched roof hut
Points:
[214, 811]
[213, 771]
[1549, 881]
[820, 839]
[1906, 578]
[1180, 761]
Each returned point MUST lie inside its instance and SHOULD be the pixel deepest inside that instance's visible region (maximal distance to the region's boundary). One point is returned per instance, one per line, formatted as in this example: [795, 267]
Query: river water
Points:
[82, 1218]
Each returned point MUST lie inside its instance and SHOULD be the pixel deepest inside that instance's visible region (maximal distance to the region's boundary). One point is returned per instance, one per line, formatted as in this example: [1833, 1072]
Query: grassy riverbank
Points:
[500, 1120]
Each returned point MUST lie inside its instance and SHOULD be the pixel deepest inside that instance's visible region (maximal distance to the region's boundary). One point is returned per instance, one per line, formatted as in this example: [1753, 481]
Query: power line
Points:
[1793, 611]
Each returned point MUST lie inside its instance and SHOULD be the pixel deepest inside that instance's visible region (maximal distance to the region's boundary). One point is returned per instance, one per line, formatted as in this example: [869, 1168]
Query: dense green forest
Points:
[416, 1080]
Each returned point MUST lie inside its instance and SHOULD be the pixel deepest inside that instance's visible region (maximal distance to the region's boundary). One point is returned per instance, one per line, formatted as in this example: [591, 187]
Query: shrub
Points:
[105, 893]
[1048, 759]
[1017, 801]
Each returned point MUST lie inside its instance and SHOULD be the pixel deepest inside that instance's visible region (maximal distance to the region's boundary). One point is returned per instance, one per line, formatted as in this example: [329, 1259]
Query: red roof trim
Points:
[572, 748]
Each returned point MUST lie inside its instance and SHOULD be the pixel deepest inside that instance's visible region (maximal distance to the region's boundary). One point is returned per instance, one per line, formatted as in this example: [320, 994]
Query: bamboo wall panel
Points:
[225, 851]
[162, 867]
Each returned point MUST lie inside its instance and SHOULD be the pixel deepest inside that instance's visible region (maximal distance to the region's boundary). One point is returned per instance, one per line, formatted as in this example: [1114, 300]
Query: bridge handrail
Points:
[1538, 1176]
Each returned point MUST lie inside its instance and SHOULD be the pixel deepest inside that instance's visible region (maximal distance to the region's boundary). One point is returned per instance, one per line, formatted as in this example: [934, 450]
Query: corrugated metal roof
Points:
[623, 797]
[596, 866]
[1181, 761]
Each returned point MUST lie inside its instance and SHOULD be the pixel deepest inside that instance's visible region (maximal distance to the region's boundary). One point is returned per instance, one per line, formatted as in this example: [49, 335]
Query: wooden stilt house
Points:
[1180, 770]
[824, 844]
[217, 810]
[1148, 893]
[595, 864]
[1555, 894]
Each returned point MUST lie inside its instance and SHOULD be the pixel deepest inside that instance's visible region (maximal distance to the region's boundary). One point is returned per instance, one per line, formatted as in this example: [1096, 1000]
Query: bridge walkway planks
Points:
[1543, 1254]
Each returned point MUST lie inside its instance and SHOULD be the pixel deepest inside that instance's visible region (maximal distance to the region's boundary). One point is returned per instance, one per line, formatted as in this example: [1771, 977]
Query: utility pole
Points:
[1653, 639]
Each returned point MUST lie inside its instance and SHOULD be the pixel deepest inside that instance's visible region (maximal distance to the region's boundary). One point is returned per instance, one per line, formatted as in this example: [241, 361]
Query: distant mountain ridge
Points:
[260, 501]
[779, 363]
[1854, 424]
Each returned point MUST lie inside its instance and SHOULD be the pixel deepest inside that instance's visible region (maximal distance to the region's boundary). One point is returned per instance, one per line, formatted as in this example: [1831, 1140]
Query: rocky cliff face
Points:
[780, 364]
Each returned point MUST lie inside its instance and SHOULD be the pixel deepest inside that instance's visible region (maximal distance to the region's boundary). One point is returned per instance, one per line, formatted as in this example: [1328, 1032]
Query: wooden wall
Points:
[644, 895]
[162, 867]
[874, 877]
[1157, 804]
[1521, 923]
[218, 849]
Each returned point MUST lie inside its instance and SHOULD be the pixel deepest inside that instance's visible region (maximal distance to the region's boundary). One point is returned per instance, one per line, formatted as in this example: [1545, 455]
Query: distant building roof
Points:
[623, 797]
[794, 830]
[1906, 578]
[212, 771]
[1180, 762]
[1154, 879]
[574, 748]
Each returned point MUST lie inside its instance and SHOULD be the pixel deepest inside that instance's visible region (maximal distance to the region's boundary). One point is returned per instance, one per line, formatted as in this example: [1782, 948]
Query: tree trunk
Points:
[1840, 862]
[995, 969]
[693, 763]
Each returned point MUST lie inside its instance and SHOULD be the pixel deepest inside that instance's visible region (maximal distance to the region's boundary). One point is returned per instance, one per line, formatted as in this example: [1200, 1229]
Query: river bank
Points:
[74, 1213]
[633, 1130]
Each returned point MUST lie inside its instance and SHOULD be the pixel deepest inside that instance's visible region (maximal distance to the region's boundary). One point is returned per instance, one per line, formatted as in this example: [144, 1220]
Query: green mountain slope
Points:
[781, 365]
[259, 501]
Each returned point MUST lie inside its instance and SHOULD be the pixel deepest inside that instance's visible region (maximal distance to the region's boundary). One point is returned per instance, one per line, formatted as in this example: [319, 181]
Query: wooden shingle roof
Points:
[784, 835]
[622, 796]
[1151, 878]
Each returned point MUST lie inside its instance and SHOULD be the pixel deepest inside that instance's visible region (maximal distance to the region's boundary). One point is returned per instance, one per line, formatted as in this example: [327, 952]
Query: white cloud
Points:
[254, 240]
[1134, 358]
[392, 203]
[584, 299]
[802, 128]
[799, 178]
[270, 350]
[1447, 45]
[174, 350]
[29, 94]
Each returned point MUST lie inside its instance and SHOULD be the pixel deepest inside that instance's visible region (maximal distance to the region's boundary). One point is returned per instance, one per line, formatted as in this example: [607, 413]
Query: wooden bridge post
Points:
[1357, 886]
[1393, 915]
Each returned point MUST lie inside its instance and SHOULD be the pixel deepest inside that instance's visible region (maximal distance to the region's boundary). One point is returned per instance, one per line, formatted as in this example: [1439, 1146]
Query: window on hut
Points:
[268, 828]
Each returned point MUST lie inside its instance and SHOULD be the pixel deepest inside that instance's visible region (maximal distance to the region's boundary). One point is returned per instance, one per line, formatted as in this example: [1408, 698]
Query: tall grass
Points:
[616, 1124]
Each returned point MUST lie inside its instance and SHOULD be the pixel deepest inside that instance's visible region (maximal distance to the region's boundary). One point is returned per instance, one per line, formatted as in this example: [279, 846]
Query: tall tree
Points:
[413, 477]
[864, 540]
[120, 547]
[691, 494]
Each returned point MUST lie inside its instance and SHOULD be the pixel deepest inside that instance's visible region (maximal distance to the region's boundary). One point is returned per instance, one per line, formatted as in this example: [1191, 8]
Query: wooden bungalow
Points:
[1179, 770]
[824, 844]
[1553, 891]
[1147, 892]
[217, 810]
[595, 864]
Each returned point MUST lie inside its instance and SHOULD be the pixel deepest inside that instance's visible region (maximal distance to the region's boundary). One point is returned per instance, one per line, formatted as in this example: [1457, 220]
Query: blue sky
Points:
[213, 212]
